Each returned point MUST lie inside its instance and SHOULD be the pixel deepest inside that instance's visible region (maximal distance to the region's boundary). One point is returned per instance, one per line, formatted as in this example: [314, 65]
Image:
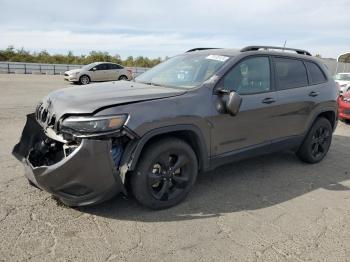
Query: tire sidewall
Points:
[139, 181]
[305, 151]
[81, 77]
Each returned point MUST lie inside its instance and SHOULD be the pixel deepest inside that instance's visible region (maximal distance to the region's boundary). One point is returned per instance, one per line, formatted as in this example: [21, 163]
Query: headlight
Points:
[75, 74]
[98, 124]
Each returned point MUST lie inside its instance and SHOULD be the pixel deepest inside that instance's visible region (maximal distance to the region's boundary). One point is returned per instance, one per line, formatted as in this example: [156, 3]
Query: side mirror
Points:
[232, 101]
[94, 69]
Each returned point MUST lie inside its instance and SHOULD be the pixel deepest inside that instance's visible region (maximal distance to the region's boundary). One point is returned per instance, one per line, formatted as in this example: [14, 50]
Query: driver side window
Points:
[102, 67]
[250, 76]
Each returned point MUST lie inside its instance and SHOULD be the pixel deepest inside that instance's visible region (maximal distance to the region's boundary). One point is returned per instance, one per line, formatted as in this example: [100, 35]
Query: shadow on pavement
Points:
[248, 185]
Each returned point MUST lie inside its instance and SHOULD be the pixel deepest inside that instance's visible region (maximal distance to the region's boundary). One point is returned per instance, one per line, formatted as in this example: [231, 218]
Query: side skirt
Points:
[289, 143]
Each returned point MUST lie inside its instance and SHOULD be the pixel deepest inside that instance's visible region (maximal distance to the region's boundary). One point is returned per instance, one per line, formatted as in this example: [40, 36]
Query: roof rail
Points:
[257, 47]
[201, 48]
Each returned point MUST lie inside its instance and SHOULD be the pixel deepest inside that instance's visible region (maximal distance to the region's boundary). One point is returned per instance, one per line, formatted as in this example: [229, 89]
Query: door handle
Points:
[313, 94]
[268, 100]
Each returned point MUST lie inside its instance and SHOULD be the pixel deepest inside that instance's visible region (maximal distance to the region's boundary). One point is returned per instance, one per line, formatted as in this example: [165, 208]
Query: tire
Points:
[123, 77]
[317, 142]
[157, 183]
[84, 80]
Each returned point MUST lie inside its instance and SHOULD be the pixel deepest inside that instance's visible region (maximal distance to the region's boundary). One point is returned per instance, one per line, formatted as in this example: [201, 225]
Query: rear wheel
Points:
[123, 78]
[165, 174]
[317, 142]
[84, 80]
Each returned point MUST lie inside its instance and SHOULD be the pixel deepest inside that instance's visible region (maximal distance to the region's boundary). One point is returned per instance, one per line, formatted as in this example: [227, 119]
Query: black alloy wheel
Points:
[317, 141]
[165, 174]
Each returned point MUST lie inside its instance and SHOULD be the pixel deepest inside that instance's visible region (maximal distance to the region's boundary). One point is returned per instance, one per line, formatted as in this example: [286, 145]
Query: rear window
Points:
[316, 74]
[290, 73]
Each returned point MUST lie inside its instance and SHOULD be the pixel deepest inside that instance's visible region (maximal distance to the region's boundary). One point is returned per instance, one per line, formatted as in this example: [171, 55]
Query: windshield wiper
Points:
[150, 83]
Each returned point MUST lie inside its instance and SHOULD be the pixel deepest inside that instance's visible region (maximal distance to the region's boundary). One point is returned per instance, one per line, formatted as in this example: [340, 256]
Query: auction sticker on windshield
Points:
[217, 57]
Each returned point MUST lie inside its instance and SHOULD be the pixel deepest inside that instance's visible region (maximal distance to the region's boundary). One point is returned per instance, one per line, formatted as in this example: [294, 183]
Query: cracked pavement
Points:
[270, 208]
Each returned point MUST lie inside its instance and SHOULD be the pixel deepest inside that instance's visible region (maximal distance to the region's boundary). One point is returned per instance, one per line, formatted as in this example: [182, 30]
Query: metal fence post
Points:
[25, 69]
[8, 68]
[40, 69]
[54, 70]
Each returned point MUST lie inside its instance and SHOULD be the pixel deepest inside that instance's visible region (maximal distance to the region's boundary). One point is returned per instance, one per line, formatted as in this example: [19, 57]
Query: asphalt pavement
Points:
[270, 208]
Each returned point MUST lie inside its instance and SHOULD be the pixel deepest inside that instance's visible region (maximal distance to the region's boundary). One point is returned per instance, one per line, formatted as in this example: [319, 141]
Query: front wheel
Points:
[165, 174]
[84, 80]
[317, 142]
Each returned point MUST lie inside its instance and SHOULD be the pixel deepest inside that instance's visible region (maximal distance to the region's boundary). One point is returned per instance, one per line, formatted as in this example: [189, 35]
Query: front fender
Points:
[133, 151]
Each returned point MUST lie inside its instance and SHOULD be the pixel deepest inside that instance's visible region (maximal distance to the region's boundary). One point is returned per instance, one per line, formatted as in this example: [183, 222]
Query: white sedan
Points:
[98, 71]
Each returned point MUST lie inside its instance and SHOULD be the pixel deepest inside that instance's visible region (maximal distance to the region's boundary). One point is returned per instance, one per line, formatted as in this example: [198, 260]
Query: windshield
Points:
[344, 77]
[89, 66]
[183, 71]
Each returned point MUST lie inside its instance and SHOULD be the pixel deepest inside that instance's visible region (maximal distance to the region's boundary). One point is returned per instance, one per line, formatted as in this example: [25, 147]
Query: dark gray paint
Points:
[258, 127]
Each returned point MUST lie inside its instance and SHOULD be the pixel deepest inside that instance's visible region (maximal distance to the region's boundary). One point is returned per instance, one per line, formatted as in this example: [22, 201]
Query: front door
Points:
[100, 73]
[250, 128]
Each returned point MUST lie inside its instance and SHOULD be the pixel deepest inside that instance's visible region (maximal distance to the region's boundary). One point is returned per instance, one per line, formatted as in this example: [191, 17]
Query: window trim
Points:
[272, 75]
[310, 76]
[291, 58]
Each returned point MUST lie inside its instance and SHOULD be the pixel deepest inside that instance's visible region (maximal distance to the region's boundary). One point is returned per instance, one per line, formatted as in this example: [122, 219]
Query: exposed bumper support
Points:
[86, 176]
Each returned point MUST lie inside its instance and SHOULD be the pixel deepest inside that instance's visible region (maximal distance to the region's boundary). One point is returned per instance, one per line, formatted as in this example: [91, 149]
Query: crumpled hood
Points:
[87, 99]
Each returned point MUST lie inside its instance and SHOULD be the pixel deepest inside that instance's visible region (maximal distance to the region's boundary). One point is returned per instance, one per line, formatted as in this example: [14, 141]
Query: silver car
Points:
[98, 71]
[343, 82]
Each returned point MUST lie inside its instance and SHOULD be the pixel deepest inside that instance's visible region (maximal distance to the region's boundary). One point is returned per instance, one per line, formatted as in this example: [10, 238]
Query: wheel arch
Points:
[331, 116]
[123, 75]
[329, 113]
[188, 133]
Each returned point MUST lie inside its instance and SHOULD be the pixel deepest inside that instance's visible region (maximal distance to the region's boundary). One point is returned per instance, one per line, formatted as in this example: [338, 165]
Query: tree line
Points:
[11, 54]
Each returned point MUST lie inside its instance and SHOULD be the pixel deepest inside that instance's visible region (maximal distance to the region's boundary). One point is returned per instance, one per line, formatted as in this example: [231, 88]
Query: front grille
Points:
[65, 74]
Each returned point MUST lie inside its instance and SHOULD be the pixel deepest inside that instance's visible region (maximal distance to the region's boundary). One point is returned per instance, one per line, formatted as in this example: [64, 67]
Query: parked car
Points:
[99, 71]
[194, 112]
[344, 107]
[343, 82]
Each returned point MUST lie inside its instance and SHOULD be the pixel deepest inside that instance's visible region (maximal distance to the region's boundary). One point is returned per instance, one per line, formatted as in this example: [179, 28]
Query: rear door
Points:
[296, 98]
[114, 71]
[250, 128]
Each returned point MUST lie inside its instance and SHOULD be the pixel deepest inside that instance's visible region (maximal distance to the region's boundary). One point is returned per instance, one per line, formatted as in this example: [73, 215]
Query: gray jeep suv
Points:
[191, 113]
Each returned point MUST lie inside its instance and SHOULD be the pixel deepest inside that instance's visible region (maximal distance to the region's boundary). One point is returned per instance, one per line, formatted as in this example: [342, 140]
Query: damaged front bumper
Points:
[83, 174]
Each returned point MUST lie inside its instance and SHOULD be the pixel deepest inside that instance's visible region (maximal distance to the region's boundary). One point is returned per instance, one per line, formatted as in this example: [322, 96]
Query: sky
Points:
[157, 28]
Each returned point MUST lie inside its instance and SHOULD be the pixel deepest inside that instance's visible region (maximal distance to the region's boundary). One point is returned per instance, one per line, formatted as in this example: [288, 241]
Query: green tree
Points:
[21, 55]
